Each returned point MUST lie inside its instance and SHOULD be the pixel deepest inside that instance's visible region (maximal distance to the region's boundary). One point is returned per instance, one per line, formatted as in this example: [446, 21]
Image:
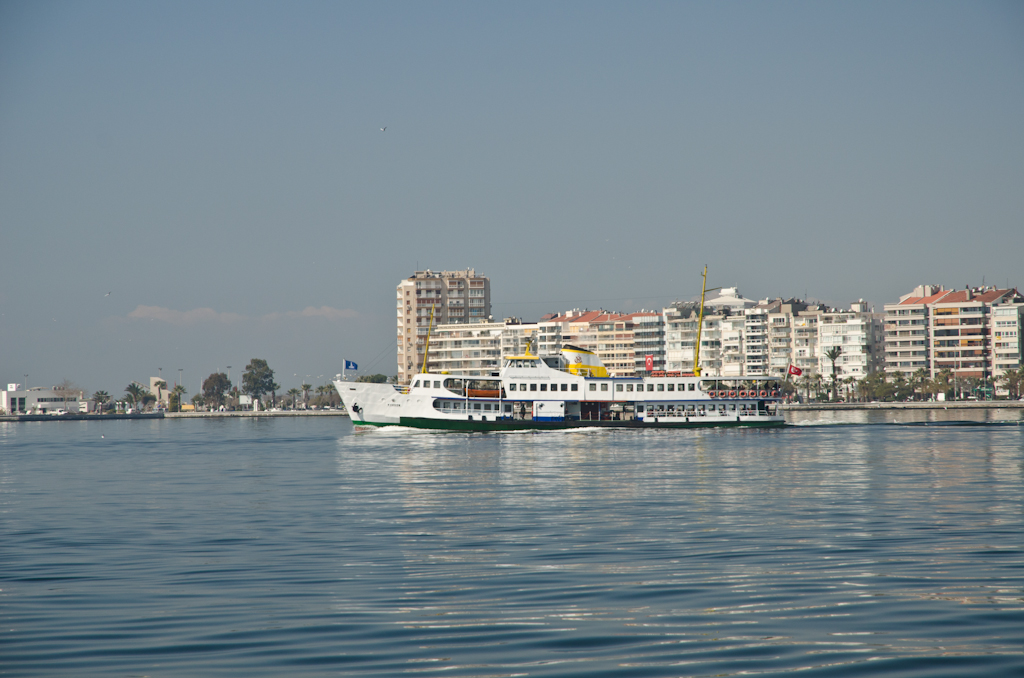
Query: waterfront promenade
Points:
[952, 405]
[171, 415]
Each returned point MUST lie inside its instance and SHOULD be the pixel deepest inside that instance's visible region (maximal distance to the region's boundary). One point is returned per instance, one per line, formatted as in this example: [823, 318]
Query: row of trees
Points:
[217, 390]
[899, 386]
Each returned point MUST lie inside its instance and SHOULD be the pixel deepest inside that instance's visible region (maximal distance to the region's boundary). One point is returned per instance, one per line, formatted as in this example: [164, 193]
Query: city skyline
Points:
[196, 184]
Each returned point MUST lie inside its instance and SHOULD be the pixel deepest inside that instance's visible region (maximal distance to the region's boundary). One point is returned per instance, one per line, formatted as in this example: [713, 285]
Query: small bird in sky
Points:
[107, 294]
[383, 129]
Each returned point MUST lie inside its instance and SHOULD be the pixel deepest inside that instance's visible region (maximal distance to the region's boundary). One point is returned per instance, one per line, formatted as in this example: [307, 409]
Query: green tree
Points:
[101, 398]
[833, 354]
[294, 393]
[258, 379]
[135, 394]
[1012, 380]
[373, 379]
[160, 385]
[305, 393]
[174, 402]
[198, 400]
[214, 388]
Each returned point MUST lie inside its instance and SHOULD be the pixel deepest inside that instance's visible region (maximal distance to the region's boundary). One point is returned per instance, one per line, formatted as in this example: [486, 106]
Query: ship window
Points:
[416, 384]
[661, 387]
[565, 387]
[511, 387]
[522, 387]
[593, 387]
[543, 387]
[732, 407]
[650, 387]
[487, 407]
[629, 387]
[618, 387]
[437, 384]
[671, 387]
[575, 387]
[508, 407]
[476, 406]
[693, 387]
[604, 387]
[533, 387]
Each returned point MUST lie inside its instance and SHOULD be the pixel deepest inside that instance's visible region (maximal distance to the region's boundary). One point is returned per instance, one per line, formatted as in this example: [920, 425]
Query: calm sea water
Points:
[298, 547]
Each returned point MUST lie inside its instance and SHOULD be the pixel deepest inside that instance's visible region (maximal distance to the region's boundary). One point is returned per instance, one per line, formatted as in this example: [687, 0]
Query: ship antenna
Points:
[426, 349]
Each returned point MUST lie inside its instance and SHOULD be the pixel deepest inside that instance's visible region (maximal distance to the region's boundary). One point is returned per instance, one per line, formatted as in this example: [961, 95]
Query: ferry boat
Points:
[569, 390]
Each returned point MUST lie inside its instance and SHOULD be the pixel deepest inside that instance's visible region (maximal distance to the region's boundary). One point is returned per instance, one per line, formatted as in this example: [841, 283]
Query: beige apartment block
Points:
[454, 297]
[974, 332]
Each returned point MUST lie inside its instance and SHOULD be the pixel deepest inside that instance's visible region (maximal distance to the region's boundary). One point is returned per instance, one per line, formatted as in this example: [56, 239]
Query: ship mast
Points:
[426, 349]
[700, 322]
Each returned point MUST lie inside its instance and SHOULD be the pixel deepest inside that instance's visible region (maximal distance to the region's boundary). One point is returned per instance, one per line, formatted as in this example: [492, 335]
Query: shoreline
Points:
[953, 405]
[167, 415]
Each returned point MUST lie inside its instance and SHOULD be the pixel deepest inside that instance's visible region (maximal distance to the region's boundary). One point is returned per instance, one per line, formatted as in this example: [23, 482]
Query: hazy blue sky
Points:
[219, 168]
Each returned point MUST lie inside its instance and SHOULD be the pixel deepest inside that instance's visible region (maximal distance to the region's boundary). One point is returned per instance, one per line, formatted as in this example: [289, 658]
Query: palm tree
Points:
[849, 382]
[100, 398]
[160, 385]
[1012, 379]
[294, 393]
[918, 382]
[136, 395]
[833, 354]
[305, 393]
[176, 394]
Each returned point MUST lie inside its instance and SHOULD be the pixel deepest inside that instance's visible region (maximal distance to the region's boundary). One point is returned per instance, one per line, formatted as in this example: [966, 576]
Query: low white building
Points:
[40, 400]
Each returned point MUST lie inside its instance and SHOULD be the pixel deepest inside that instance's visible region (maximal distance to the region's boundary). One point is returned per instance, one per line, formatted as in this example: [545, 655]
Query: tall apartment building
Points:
[648, 340]
[858, 334]
[956, 330]
[455, 297]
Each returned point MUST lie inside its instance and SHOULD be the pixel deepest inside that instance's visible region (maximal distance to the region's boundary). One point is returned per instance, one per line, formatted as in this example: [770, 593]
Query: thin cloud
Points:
[173, 317]
[208, 315]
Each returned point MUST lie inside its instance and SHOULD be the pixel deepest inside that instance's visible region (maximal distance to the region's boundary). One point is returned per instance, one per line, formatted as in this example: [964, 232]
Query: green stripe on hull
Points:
[520, 425]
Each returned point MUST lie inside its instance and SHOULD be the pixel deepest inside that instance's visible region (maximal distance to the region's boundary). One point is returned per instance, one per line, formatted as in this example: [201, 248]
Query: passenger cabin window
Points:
[629, 387]
[511, 387]
[661, 387]
[650, 387]
[618, 387]
[543, 387]
[522, 387]
[416, 384]
[693, 387]
[593, 387]
[575, 387]
[437, 384]
[565, 386]
[671, 387]
[533, 387]
[604, 387]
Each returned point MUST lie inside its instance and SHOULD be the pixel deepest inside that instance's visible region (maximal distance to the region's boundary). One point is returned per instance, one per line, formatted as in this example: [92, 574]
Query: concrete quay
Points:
[952, 405]
[247, 413]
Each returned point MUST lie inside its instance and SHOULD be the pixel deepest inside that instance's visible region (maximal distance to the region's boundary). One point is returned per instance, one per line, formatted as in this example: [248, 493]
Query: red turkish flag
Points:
[794, 370]
[649, 361]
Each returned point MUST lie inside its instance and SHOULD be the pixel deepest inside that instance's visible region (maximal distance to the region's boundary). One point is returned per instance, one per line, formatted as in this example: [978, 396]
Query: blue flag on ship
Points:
[349, 365]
